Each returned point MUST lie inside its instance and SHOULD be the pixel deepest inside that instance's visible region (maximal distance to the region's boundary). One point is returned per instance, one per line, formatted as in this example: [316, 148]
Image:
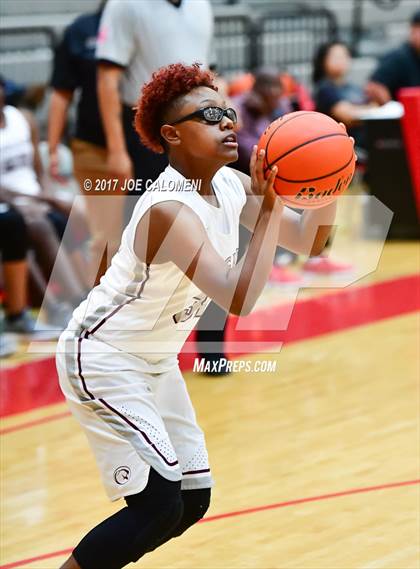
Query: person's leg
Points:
[176, 409]
[195, 505]
[14, 248]
[210, 337]
[133, 531]
[64, 229]
[104, 209]
[53, 259]
[15, 283]
[133, 451]
[57, 313]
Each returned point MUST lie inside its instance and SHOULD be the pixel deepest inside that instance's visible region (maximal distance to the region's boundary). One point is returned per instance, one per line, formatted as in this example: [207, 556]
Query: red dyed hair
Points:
[166, 85]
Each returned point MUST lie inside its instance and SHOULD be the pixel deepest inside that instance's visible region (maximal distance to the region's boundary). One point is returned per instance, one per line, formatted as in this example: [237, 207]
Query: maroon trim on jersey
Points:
[79, 367]
[115, 410]
[197, 471]
[140, 431]
[87, 333]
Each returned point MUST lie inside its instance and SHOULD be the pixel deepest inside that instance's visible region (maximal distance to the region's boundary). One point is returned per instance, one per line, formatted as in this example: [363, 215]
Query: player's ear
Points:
[170, 134]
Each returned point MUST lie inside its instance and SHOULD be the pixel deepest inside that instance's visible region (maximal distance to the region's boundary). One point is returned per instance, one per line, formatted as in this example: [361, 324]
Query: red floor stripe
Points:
[347, 308]
[34, 423]
[38, 558]
[311, 499]
[32, 385]
[243, 513]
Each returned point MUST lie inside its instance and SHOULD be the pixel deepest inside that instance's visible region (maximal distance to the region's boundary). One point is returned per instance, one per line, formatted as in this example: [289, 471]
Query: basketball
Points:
[314, 156]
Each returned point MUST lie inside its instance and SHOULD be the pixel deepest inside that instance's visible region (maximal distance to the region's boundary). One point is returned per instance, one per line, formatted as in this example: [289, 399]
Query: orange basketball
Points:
[314, 156]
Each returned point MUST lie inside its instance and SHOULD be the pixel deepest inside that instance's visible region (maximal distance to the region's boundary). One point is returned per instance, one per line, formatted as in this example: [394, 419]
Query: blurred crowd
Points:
[51, 258]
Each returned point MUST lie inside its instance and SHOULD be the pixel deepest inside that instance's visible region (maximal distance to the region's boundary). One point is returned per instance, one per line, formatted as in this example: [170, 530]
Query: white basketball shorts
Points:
[134, 418]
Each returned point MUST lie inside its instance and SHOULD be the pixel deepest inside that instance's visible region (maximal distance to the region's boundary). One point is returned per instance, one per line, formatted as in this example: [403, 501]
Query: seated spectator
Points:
[20, 169]
[297, 94]
[398, 68]
[344, 101]
[334, 95]
[240, 84]
[257, 108]
[14, 244]
[19, 95]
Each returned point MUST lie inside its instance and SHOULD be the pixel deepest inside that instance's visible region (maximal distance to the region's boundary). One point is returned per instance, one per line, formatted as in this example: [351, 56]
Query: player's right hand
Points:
[259, 185]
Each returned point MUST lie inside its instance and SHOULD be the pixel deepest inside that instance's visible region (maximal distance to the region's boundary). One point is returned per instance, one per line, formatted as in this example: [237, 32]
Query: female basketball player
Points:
[117, 360]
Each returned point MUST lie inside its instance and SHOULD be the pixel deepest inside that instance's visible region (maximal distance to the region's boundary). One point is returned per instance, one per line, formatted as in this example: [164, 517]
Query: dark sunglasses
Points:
[212, 115]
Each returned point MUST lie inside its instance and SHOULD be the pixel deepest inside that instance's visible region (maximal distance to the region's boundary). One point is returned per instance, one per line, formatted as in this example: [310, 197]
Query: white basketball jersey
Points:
[16, 154]
[149, 310]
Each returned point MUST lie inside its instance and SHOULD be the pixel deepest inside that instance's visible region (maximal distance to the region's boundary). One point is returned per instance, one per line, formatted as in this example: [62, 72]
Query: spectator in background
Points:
[295, 96]
[135, 39]
[14, 245]
[75, 70]
[398, 68]
[256, 109]
[20, 186]
[344, 101]
[18, 95]
[334, 95]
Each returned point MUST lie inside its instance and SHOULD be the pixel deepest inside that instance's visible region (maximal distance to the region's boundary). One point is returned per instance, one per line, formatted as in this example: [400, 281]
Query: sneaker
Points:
[324, 266]
[8, 344]
[284, 276]
[26, 325]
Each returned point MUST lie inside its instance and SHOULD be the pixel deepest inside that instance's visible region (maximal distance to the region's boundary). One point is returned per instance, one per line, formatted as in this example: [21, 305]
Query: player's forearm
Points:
[315, 228]
[57, 117]
[111, 108]
[252, 272]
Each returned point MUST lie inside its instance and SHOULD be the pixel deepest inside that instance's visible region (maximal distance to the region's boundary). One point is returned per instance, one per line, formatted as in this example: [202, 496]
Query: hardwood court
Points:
[319, 460]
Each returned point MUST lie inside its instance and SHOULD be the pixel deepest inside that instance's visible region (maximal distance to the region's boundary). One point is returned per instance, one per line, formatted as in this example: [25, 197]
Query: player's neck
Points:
[197, 170]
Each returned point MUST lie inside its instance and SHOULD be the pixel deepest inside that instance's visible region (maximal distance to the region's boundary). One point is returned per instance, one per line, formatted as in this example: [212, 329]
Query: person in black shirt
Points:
[75, 70]
[398, 68]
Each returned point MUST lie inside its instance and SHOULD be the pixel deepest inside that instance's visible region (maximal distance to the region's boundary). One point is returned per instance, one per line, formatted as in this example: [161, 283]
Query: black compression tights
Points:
[152, 517]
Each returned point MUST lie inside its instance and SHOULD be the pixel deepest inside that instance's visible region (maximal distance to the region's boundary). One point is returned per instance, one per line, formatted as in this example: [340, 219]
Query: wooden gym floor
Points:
[316, 465]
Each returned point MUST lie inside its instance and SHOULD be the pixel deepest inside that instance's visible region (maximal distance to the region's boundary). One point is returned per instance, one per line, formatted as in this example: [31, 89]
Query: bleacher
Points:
[248, 33]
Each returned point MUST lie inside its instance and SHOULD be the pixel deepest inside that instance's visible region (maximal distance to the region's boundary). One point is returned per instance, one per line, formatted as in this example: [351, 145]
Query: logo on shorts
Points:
[122, 475]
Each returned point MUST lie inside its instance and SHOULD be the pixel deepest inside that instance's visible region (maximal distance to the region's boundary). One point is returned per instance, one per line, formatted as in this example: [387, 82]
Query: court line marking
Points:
[244, 512]
[401, 303]
[35, 422]
[311, 318]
